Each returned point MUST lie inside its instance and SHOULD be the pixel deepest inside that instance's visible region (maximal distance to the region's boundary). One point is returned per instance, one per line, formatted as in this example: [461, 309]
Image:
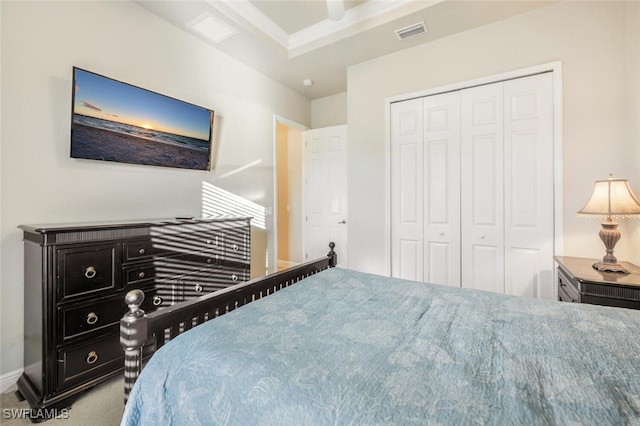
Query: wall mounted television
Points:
[116, 121]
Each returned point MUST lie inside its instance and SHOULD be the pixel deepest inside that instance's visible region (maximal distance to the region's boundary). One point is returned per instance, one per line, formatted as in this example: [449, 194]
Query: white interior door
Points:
[482, 180]
[407, 189]
[442, 189]
[529, 222]
[326, 192]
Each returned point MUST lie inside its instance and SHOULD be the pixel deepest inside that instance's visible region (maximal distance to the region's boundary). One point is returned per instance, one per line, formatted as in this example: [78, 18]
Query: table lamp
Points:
[611, 198]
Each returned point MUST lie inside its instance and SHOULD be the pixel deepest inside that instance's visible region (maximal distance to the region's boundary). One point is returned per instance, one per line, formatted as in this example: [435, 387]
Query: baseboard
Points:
[8, 380]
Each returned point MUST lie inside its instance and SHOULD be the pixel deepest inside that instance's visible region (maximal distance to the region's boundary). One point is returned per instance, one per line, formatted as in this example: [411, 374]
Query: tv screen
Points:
[115, 121]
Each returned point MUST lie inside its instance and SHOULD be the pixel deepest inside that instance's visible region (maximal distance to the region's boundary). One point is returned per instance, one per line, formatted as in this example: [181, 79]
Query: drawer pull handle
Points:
[234, 277]
[92, 318]
[141, 274]
[235, 247]
[209, 241]
[92, 357]
[90, 272]
[157, 300]
[142, 251]
[209, 260]
[198, 288]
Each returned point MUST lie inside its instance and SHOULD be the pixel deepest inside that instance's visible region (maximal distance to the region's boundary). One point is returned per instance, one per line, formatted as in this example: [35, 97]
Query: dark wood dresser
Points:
[76, 276]
[579, 282]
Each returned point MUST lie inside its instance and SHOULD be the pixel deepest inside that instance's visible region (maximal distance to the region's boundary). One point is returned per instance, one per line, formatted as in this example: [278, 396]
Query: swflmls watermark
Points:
[35, 414]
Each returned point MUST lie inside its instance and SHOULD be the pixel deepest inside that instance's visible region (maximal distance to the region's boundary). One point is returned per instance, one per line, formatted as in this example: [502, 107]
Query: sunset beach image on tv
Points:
[116, 121]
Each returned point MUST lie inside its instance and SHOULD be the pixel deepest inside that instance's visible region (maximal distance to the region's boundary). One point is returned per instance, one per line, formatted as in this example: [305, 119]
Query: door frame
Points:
[277, 119]
[556, 69]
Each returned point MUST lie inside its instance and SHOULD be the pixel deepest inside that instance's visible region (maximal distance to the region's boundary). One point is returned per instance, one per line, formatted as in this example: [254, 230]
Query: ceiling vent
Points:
[411, 30]
[211, 28]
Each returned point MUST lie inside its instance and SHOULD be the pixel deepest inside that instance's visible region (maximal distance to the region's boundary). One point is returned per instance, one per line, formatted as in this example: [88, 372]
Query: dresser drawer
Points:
[99, 356]
[89, 317]
[161, 296]
[566, 290]
[88, 269]
[237, 246]
[144, 249]
[139, 274]
[213, 280]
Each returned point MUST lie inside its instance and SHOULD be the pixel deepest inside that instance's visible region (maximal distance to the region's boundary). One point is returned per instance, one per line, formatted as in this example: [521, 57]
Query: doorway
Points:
[289, 147]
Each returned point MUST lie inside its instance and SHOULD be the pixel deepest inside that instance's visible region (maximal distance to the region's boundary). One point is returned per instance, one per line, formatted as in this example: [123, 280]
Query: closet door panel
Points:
[485, 268]
[482, 197]
[529, 186]
[407, 187]
[442, 189]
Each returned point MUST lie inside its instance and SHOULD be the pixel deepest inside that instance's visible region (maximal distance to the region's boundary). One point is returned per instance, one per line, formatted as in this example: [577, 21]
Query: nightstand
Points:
[579, 282]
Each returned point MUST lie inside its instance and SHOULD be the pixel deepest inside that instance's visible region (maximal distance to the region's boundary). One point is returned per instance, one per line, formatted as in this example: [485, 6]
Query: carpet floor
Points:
[101, 405]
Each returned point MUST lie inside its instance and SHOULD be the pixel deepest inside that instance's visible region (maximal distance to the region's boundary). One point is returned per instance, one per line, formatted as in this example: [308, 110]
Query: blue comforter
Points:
[347, 348]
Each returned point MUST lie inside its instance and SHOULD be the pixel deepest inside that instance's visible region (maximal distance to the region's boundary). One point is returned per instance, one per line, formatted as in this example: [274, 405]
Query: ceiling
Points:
[295, 40]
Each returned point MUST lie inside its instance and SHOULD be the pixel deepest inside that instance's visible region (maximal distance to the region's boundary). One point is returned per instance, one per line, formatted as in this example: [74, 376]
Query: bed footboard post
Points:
[133, 335]
[333, 257]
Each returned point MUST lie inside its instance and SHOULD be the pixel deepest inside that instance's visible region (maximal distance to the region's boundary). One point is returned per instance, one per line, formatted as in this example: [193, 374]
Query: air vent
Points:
[411, 30]
[212, 28]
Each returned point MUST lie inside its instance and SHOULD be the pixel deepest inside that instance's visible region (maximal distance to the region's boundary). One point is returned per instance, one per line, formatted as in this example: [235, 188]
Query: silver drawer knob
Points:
[209, 241]
[141, 274]
[92, 318]
[234, 277]
[90, 272]
[235, 247]
[157, 300]
[142, 251]
[92, 357]
[198, 288]
[209, 260]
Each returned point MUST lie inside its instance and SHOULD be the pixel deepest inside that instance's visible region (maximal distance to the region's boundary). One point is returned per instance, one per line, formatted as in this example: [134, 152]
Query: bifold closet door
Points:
[482, 181]
[472, 187]
[425, 193]
[407, 188]
[529, 186]
[507, 187]
[442, 189]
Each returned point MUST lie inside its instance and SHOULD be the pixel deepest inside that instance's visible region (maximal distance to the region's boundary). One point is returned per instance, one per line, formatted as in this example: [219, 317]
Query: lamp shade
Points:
[612, 198]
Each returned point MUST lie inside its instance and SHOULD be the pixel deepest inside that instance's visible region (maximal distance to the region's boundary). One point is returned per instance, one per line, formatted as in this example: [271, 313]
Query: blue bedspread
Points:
[347, 348]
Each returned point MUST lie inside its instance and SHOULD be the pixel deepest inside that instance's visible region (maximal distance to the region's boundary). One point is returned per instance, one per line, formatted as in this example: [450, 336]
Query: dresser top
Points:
[582, 269]
[84, 226]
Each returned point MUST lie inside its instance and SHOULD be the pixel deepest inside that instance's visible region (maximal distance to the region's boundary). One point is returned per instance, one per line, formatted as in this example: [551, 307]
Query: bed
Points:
[345, 347]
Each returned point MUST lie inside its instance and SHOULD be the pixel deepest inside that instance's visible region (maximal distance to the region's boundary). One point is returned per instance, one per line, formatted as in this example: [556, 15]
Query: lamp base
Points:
[610, 267]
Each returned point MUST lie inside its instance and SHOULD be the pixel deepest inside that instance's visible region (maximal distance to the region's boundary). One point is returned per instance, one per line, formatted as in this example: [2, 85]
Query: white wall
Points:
[41, 41]
[329, 111]
[633, 117]
[591, 40]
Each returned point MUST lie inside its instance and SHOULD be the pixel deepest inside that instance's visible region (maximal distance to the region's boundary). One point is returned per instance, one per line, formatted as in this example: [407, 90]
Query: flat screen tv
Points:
[115, 121]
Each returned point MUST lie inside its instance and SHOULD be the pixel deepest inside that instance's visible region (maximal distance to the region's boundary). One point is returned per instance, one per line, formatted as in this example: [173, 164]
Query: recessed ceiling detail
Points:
[292, 40]
[363, 17]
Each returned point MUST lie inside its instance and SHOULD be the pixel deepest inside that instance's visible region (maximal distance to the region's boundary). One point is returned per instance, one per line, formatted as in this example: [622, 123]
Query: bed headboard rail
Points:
[141, 334]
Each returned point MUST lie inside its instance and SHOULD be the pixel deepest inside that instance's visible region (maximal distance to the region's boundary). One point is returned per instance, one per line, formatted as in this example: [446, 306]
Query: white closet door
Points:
[482, 180]
[442, 189]
[407, 183]
[529, 186]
